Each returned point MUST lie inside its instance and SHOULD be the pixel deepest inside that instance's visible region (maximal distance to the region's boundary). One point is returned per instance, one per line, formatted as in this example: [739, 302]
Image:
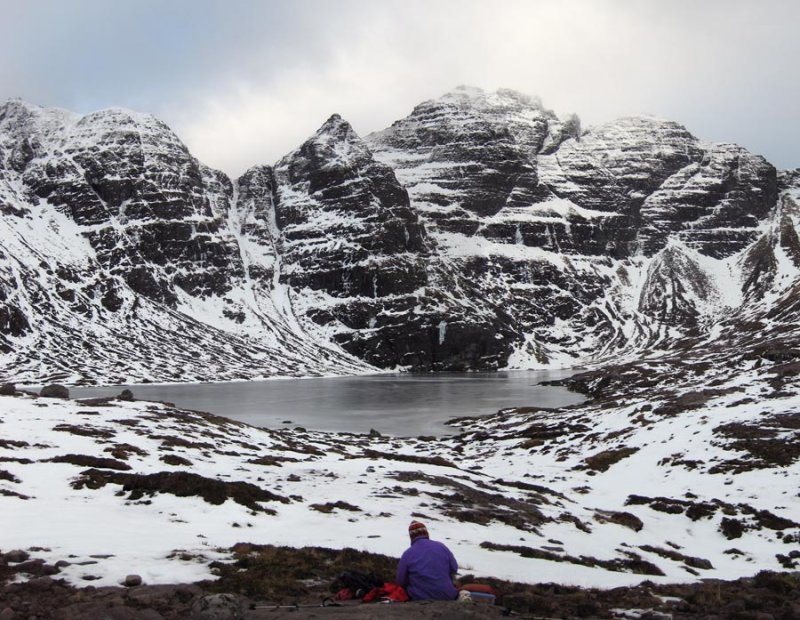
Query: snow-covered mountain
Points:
[124, 258]
[481, 231]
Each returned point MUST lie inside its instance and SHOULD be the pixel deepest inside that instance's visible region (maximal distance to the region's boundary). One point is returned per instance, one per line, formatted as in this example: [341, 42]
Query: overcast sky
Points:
[244, 81]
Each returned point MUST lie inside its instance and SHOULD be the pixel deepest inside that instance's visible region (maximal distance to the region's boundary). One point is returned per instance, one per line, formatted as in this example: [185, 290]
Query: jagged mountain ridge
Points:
[478, 232]
[122, 260]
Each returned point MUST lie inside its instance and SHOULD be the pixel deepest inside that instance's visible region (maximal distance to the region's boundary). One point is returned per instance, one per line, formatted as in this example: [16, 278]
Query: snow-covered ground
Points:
[529, 483]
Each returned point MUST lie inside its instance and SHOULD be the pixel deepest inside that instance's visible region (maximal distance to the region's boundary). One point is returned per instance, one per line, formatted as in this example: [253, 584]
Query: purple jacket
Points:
[426, 571]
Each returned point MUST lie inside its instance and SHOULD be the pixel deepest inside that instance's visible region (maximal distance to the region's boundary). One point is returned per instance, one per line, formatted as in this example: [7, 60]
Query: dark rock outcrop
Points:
[121, 258]
[54, 391]
[360, 264]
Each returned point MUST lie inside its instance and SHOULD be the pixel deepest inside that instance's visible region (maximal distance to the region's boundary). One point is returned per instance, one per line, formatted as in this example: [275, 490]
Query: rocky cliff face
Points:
[359, 265]
[480, 231]
[121, 260]
[597, 240]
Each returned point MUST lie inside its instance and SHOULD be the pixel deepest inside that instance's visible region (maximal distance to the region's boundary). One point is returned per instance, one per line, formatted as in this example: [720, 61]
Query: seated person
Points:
[427, 568]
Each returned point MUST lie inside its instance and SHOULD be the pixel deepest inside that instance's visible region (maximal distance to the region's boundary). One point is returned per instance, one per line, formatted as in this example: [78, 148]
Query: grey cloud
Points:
[243, 82]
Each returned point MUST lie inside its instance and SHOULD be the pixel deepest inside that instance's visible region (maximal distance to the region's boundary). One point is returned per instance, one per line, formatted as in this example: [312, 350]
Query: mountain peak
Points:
[466, 91]
[123, 117]
[337, 128]
[51, 125]
[473, 96]
[21, 115]
[490, 175]
[14, 104]
[334, 143]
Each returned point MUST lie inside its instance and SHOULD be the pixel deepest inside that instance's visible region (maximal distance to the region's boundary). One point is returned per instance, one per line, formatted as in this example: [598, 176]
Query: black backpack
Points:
[360, 583]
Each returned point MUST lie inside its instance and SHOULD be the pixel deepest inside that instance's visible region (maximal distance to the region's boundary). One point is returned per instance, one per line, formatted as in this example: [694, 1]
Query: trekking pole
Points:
[508, 612]
[326, 602]
[294, 606]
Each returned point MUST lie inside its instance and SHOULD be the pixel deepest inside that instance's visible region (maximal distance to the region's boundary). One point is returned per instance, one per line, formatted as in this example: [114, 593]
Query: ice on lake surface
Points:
[394, 404]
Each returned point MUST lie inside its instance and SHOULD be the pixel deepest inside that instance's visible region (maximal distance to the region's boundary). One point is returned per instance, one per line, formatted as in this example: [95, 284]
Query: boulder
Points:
[41, 584]
[54, 391]
[98, 610]
[218, 607]
[50, 569]
[16, 556]
[8, 389]
[125, 395]
[131, 581]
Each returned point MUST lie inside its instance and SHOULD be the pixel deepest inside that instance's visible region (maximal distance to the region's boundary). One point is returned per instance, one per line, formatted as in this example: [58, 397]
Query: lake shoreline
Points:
[395, 404]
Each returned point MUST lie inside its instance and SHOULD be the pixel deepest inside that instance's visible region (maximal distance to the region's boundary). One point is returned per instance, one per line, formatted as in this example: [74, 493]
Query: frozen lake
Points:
[394, 404]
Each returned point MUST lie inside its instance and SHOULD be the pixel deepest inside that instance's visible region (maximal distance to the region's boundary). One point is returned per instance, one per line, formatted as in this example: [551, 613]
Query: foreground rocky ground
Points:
[272, 582]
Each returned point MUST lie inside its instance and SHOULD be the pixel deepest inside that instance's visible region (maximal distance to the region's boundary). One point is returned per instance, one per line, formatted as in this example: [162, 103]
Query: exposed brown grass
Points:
[283, 574]
[603, 460]
[181, 484]
[174, 459]
[331, 506]
[466, 502]
[633, 564]
[408, 458]
[84, 460]
[85, 431]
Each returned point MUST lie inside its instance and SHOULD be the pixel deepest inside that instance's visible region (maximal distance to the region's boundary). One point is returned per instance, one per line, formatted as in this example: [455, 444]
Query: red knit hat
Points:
[417, 530]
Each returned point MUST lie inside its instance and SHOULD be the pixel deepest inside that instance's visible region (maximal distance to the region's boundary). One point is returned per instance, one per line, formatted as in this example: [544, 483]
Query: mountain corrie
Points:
[481, 231]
